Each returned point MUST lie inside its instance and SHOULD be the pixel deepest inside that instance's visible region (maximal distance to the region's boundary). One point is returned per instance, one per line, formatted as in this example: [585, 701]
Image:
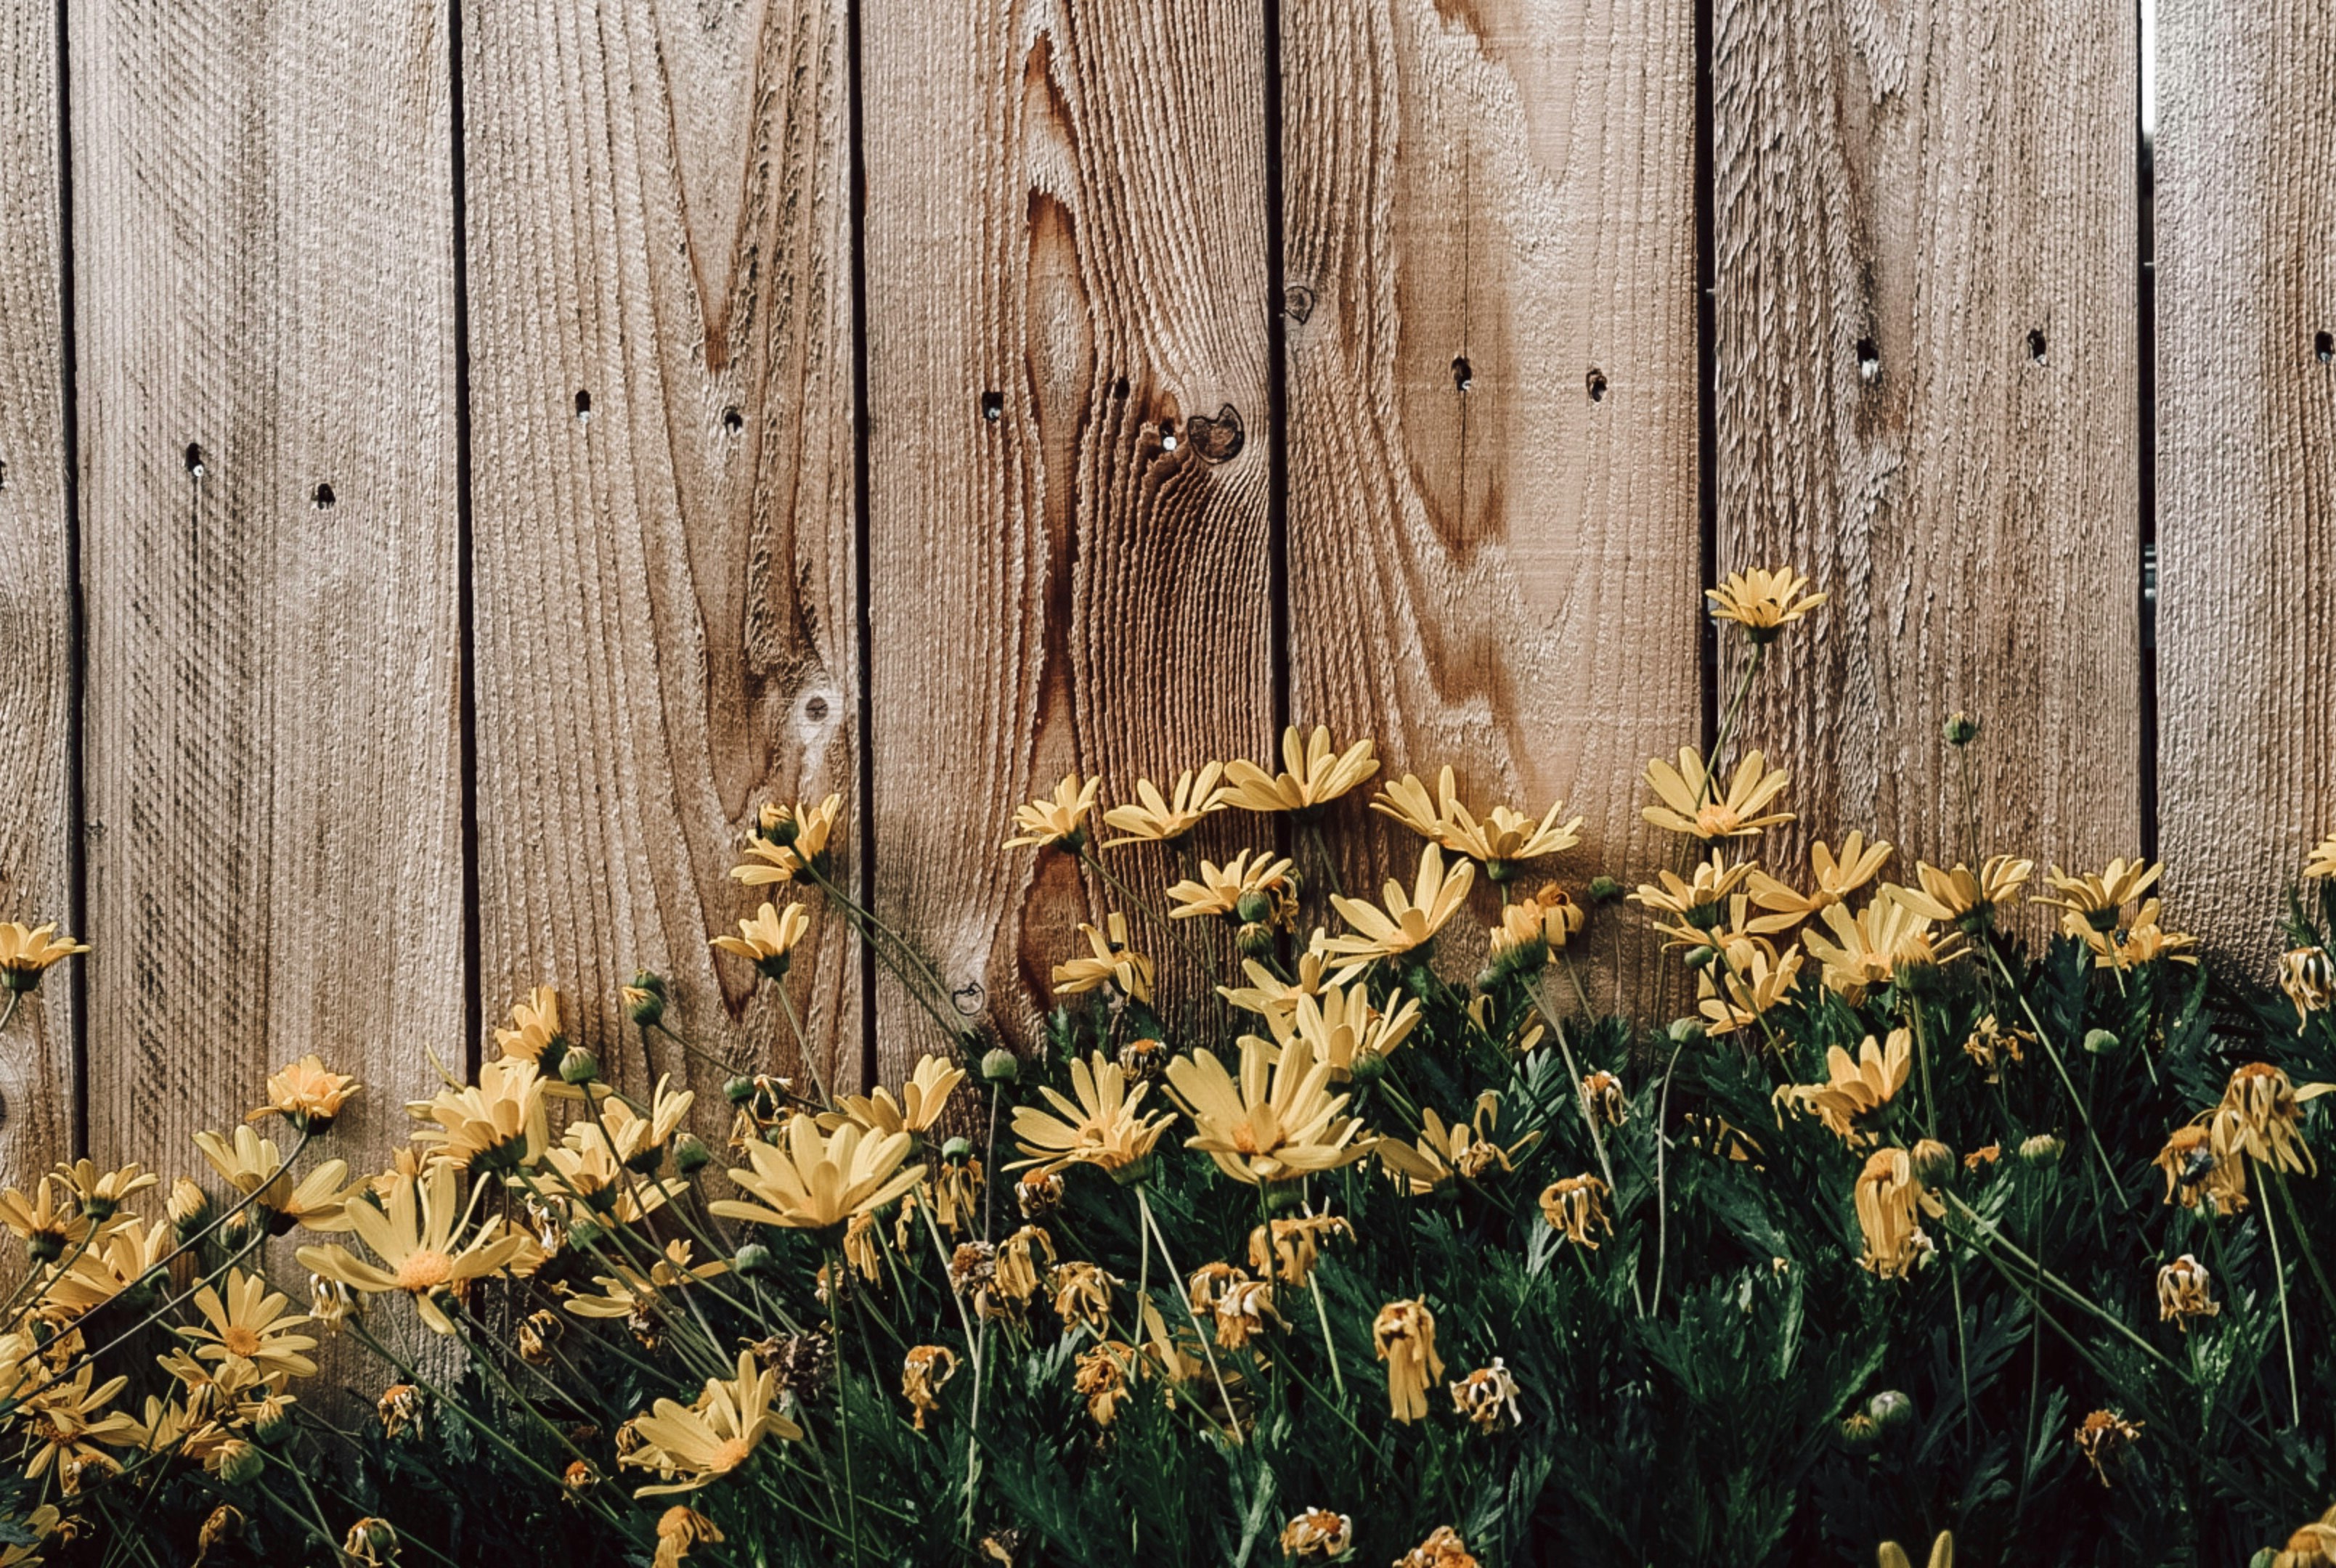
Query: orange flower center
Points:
[424, 1271]
[1715, 818]
[239, 1340]
[729, 1456]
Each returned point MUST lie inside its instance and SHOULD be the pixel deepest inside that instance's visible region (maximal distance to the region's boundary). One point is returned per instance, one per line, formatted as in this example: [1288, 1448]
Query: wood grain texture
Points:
[264, 239]
[37, 706]
[667, 611]
[2246, 507]
[1924, 242]
[1490, 302]
[1065, 230]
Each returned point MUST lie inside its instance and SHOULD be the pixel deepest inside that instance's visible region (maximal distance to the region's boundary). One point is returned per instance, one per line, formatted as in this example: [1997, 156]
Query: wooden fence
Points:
[462, 456]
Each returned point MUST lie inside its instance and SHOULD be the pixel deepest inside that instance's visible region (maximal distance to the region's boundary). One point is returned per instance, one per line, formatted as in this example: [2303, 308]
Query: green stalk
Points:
[1208, 1353]
[2286, 1328]
[2044, 1038]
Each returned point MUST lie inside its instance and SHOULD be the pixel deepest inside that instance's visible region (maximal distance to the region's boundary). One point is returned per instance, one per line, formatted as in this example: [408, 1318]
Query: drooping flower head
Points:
[1576, 1206]
[2260, 1117]
[2186, 1293]
[1404, 1334]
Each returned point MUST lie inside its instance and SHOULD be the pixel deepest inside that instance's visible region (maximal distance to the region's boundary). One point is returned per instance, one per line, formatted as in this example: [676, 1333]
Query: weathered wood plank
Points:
[1925, 239]
[662, 386]
[1490, 301]
[36, 709]
[1069, 569]
[2247, 507]
[264, 244]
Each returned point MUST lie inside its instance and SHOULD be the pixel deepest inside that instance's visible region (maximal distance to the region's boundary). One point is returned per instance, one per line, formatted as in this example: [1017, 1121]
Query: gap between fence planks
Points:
[1069, 465]
[1494, 543]
[264, 229]
[2247, 456]
[663, 472]
[1925, 236]
[36, 692]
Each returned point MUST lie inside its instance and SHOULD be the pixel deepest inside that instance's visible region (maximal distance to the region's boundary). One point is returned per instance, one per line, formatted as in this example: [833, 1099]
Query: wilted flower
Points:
[2194, 1170]
[1602, 1093]
[1575, 1206]
[1486, 1395]
[1855, 1088]
[1061, 819]
[372, 1542]
[1763, 601]
[1082, 1295]
[1444, 1548]
[1037, 1193]
[924, 1372]
[332, 1304]
[2101, 1436]
[1156, 820]
[678, 1529]
[1991, 1045]
[399, 1408]
[1691, 803]
[1317, 1533]
[2184, 1293]
[1403, 1333]
[1112, 962]
[1942, 1553]
[2314, 1545]
[2309, 977]
[1313, 775]
[1887, 1199]
[2262, 1117]
[1101, 1379]
[1289, 1249]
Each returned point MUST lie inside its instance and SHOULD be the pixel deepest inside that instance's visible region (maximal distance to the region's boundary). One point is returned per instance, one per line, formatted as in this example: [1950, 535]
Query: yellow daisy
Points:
[813, 1180]
[787, 840]
[1764, 603]
[1112, 962]
[1406, 923]
[1313, 775]
[1104, 1127]
[1061, 820]
[1277, 1122]
[1836, 878]
[1871, 945]
[691, 1446]
[418, 1235]
[1691, 803]
[1157, 820]
[1855, 1088]
[1498, 841]
[249, 1323]
[27, 952]
[2321, 862]
[1220, 890]
[534, 1028]
[497, 1124]
[306, 1095]
[768, 941]
[252, 1164]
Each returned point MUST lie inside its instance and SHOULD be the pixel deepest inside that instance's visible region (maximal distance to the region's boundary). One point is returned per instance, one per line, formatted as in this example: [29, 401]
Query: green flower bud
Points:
[1962, 729]
[1489, 978]
[1685, 1031]
[2102, 1041]
[1001, 1065]
[738, 1091]
[578, 1066]
[273, 1420]
[644, 1000]
[1859, 1434]
[1890, 1409]
[1253, 907]
[1699, 958]
[1934, 1163]
[2044, 1149]
[751, 1260]
[1367, 1067]
[237, 1462]
[1604, 890]
[1254, 940]
[690, 1154]
[958, 1150]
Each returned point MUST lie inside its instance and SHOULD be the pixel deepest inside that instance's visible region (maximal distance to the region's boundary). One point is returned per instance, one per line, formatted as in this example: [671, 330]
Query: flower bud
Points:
[239, 1230]
[1254, 907]
[1917, 977]
[273, 1418]
[584, 1232]
[189, 1208]
[1934, 1163]
[738, 1091]
[1254, 940]
[958, 1150]
[1685, 1031]
[751, 1260]
[1699, 958]
[1367, 1067]
[1890, 1409]
[237, 1462]
[644, 1000]
[2102, 1041]
[1001, 1065]
[1604, 890]
[690, 1154]
[578, 1066]
[1961, 729]
[1859, 1434]
[2044, 1149]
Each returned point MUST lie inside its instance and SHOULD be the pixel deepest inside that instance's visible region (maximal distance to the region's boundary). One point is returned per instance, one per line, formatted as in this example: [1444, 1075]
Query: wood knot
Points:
[1218, 440]
[1297, 301]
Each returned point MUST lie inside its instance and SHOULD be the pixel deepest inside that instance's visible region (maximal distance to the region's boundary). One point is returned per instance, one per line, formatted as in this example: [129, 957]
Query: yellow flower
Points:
[788, 840]
[678, 1529]
[1691, 803]
[1502, 838]
[630, 1294]
[1466, 1149]
[417, 1235]
[497, 1124]
[27, 952]
[1753, 980]
[1289, 1249]
[251, 1164]
[1835, 879]
[2096, 900]
[2185, 1292]
[693, 1446]
[1763, 601]
[2313, 1546]
[2321, 862]
[1279, 1122]
[1942, 1553]
[813, 1181]
[1887, 1199]
[1312, 775]
[63, 1421]
[2100, 1436]
[2143, 941]
[1487, 1394]
[1574, 1205]
[1560, 917]
[1113, 962]
[1871, 947]
[248, 1325]
[1707, 910]
[1342, 1026]
[1019, 1258]
[2309, 978]
[308, 1096]
[1104, 1127]
[1855, 1088]
[1317, 1533]
[768, 941]
[919, 1108]
[924, 1372]
[2260, 1117]
[1408, 923]
[1268, 993]
[1403, 1333]
[102, 1191]
[1156, 820]
[1221, 889]
[1961, 894]
[535, 1026]
[1061, 820]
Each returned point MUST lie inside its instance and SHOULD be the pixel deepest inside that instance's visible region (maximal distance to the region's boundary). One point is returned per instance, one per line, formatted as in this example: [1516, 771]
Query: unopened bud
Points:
[188, 1207]
[273, 1419]
[1934, 1163]
[1367, 1066]
[1962, 729]
[1604, 890]
[1890, 1409]
[644, 1000]
[1253, 906]
[999, 1065]
[1685, 1031]
[690, 1154]
[371, 1542]
[1254, 940]
[2102, 1041]
[1859, 1434]
[752, 1259]
[237, 1462]
[958, 1150]
[738, 1091]
[578, 1066]
[2044, 1149]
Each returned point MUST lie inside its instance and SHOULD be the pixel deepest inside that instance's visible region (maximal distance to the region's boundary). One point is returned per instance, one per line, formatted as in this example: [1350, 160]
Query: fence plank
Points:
[1068, 469]
[36, 712]
[1494, 551]
[2247, 455]
[263, 242]
[1925, 239]
[662, 386]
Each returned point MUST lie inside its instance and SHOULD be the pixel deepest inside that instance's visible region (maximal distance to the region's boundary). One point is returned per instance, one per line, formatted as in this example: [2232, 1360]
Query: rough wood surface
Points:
[1925, 240]
[1070, 473]
[264, 242]
[1490, 308]
[36, 713]
[2246, 464]
[666, 628]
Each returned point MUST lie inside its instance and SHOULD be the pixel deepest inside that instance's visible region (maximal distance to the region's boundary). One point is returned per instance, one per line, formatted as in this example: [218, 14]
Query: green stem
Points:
[1589, 1116]
[2295, 1217]
[2044, 1038]
[1208, 1351]
[1322, 1316]
[2286, 1328]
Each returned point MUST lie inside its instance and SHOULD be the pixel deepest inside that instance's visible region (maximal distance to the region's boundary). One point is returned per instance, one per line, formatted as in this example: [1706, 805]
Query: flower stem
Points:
[2044, 1038]
[1589, 1117]
[1144, 1207]
[2286, 1328]
[1322, 1316]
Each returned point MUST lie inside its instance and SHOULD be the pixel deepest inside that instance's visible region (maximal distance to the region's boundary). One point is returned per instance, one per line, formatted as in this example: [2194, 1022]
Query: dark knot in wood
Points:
[1218, 440]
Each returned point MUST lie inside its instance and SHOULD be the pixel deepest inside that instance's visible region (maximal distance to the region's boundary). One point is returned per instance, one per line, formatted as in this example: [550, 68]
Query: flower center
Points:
[729, 1456]
[1715, 818]
[239, 1340]
[424, 1271]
